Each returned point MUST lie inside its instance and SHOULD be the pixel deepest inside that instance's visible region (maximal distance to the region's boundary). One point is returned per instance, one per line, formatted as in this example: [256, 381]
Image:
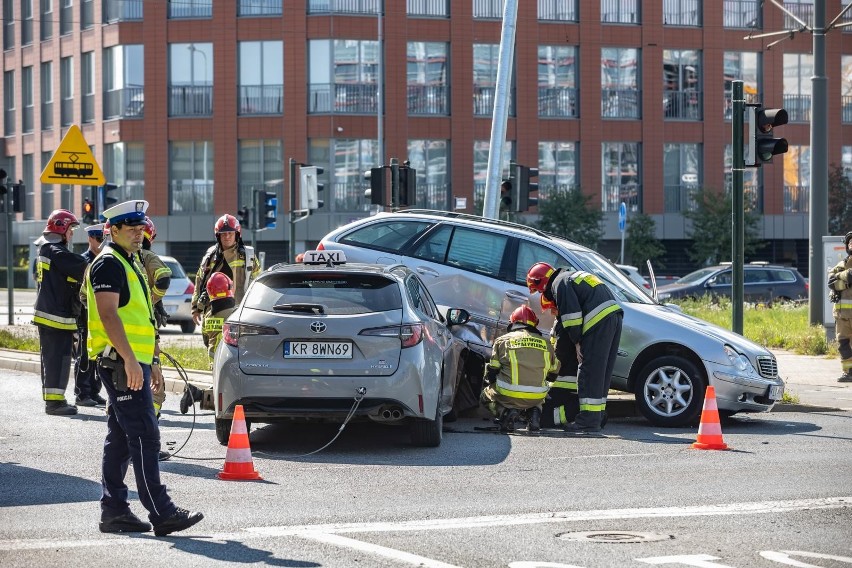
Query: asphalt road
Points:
[636, 496]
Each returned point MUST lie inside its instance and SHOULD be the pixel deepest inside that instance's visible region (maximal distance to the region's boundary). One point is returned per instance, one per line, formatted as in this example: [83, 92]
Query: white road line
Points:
[600, 456]
[391, 553]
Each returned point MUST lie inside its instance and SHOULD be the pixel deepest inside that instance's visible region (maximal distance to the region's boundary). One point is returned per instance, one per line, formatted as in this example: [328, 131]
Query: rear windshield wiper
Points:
[304, 308]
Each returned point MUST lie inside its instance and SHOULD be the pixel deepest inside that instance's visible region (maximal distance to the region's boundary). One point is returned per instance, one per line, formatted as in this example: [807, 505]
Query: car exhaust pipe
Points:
[386, 414]
[396, 414]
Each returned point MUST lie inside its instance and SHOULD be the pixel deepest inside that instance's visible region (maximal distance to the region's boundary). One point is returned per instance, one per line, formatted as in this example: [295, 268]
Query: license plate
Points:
[171, 310]
[776, 392]
[317, 350]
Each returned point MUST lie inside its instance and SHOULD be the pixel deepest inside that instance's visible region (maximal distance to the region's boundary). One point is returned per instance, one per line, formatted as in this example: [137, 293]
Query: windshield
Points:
[697, 276]
[625, 290]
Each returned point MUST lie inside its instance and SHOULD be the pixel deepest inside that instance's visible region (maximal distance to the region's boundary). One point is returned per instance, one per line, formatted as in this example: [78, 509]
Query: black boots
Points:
[59, 408]
[181, 519]
[128, 522]
[534, 419]
[191, 395]
[508, 419]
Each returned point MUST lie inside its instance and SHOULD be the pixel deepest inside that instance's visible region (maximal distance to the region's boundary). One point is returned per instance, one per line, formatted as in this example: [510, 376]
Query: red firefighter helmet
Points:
[60, 221]
[226, 223]
[547, 305]
[524, 315]
[220, 286]
[538, 277]
[150, 230]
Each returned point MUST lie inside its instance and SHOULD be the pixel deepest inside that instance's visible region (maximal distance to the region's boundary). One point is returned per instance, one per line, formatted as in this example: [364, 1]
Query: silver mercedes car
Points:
[328, 340]
[665, 357]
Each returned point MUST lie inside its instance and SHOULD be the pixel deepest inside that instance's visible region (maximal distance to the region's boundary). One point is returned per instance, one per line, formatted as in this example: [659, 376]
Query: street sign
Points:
[622, 217]
[73, 163]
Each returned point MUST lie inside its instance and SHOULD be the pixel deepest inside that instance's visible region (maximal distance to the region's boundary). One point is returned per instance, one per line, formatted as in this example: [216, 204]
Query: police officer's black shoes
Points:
[845, 378]
[128, 522]
[181, 519]
[99, 399]
[59, 408]
[85, 401]
[163, 456]
[534, 417]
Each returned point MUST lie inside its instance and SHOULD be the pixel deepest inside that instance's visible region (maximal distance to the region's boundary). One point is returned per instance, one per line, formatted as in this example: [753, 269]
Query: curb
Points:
[799, 407]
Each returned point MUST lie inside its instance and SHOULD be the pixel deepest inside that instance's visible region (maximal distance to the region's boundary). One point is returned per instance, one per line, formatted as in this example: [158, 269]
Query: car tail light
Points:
[231, 332]
[190, 289]
[409, 334]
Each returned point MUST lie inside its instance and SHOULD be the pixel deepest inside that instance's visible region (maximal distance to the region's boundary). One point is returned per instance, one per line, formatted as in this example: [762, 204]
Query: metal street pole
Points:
[292, 189]
[819, 169]
[738, 208]
[10, 273]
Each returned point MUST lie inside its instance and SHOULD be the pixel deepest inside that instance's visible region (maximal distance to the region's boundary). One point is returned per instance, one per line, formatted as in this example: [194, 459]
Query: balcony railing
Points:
[743, 14]
[558, 10]
[679, 198]
[489, 9]
[428, 99]
[685, 105]
[66, 112]
[245, 192]
[483, 101]
[190, 100]
[260, 99]
[613, 195]
[796, 198]
[621, 103]
[350, 98]
[88, 108]
[47, 116]
[124, 103]
[191, 9]
[428, 8]
[259, 8]
[729, 103]
[558, 102]
[846, 109]
[435, 196]
[344, 6]
[798, 107]
[189, 197]
[122, 10]
[846, 19]
[682, 13]
[620, 11]
[752, 196]
[803, 11]
[548, 191]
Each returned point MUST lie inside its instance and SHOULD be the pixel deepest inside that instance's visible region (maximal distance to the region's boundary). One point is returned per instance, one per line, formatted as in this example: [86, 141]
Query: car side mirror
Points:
[457, 316]
[710, 282]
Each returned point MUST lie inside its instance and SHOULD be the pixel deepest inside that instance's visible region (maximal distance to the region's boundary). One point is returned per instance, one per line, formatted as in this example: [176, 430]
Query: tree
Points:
[839, 201]
[712, 227]
[642, 242]
[569, 214]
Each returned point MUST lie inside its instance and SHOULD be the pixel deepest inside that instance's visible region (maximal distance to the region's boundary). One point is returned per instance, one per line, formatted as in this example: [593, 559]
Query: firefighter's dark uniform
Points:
[562, 403]
[87, 384]
[840, 282]
[57, 306]
[158, 276]
[591, 319]
[133, 435]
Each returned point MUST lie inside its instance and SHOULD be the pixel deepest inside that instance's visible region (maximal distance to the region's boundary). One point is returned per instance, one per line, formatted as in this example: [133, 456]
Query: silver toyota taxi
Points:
[665, 357]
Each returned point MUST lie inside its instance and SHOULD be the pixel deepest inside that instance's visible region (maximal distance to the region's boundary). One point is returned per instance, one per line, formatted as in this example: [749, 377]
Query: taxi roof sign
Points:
[73, 163]
[328, 257]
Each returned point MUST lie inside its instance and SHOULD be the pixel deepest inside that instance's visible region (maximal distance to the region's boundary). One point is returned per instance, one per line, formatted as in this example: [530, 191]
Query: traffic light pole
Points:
[819, 169]
[10, 274]
[738, 209]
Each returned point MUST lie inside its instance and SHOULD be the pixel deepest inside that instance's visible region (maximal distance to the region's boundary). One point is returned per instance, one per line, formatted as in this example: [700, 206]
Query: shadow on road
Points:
[232, 551]
[24, 486]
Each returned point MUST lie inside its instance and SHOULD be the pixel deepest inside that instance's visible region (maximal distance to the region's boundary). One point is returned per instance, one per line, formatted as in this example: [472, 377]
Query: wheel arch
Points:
[661, 350]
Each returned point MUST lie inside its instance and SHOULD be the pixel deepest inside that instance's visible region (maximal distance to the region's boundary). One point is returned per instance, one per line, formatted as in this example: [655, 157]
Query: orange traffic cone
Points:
[238, 462]
[710, 429]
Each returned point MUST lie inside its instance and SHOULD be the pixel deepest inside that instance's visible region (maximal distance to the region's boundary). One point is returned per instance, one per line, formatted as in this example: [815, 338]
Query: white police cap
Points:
[95, 230]
[128, 213]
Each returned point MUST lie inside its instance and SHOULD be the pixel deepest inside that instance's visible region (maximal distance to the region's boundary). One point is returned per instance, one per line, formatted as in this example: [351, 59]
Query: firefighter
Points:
[57, 308]
[589, 318]
[840, 284]
[562, 403]
[87, 385]
[517, 372]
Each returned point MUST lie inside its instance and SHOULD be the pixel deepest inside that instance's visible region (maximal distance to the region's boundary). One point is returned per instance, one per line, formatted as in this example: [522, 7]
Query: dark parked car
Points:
[762, 282]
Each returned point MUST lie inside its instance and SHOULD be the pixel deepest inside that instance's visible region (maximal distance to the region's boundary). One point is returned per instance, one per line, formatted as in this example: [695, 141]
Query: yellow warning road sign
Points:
[73, 163]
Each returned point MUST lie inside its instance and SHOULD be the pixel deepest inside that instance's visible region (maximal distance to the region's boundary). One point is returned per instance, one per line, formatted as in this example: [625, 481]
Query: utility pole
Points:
[738, 208]
[291, 185]
[819, 169]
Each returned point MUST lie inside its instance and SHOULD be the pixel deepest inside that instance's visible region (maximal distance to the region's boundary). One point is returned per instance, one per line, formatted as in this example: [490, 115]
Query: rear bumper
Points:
[179, 308]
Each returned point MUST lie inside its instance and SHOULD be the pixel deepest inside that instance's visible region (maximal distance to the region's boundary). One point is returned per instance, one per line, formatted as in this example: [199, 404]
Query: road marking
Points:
[783, 557]
[599, 456]
[391, 553]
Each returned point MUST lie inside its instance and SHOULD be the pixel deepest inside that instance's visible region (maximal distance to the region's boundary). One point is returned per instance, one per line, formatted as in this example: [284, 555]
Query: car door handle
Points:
[515, 295]
[427, 271]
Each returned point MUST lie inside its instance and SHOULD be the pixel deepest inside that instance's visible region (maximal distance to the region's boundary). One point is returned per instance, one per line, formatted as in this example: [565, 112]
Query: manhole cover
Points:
[614, 537]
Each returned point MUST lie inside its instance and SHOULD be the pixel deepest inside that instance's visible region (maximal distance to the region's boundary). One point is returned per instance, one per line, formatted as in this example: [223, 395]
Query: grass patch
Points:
[188, 357]
[789, 398]
[25, 343]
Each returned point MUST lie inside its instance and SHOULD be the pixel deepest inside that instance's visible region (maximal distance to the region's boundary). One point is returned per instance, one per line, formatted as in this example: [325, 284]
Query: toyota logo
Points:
[318, 327]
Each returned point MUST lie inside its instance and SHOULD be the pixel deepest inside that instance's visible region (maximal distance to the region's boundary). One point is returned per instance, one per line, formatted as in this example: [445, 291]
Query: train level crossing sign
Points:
[73, 163]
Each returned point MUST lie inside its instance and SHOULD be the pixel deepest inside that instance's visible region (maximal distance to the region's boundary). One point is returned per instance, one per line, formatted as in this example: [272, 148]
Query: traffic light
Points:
[88, 211]
[266, 205]
[244, 217]
[407, 184]
[522, 187]
[506, 189]
[376, 193]
[19, 191]
[310, 188]
[3, 180]
[762, 144]
[105, 200]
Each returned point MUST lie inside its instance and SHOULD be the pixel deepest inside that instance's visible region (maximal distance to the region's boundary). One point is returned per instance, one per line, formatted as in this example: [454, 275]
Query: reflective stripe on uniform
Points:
[572, 319]
[566, 382]
[54, 321]
[593, 404]
[599, 313]
[559, 416]
[520, 391]
[53, 394]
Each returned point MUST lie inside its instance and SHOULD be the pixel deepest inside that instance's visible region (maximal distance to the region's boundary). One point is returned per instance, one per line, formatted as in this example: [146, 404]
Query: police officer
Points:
[840, 284]
[517, 372]
[57, 307]
[87, 384]
[123, 340]
[589, 318]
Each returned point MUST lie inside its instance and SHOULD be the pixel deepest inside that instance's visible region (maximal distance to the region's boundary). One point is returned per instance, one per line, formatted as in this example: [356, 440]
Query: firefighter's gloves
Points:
[839, 281]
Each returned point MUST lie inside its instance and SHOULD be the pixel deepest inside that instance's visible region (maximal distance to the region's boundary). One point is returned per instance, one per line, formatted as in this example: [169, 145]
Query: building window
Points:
[47, 192]
[558, 10]
[798, 70]
[481, 150]
[846, 88]
[124, 165]
[847, 16]
[66, 91]
[66, 16]
[344, 6]
[259, 7]
[742, 66]
[558, 163]
[191, 79]
[191, 177]
[126, 10]
[488, 9]
[28, 177]
[681, 176]
[47, 95]
[344, 160]
[27, 99]
[622, 178]
[124, 81]
[343, 76]
[803, 10]
[87, 86]
[9, 103]
[620, 12]
[428, 8]
[261, 88]
[46, 19]
[26, 22]
[557, 81]
[797, 179]
[752, 189]
[846, 160]
[743, 14]
[427, 70]
[682, 13]
[261, 164]
[485, 56]
[430, 158]
[191, 9]
[87, 14]
[8, 24]
[682, 84]
[620, 93]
